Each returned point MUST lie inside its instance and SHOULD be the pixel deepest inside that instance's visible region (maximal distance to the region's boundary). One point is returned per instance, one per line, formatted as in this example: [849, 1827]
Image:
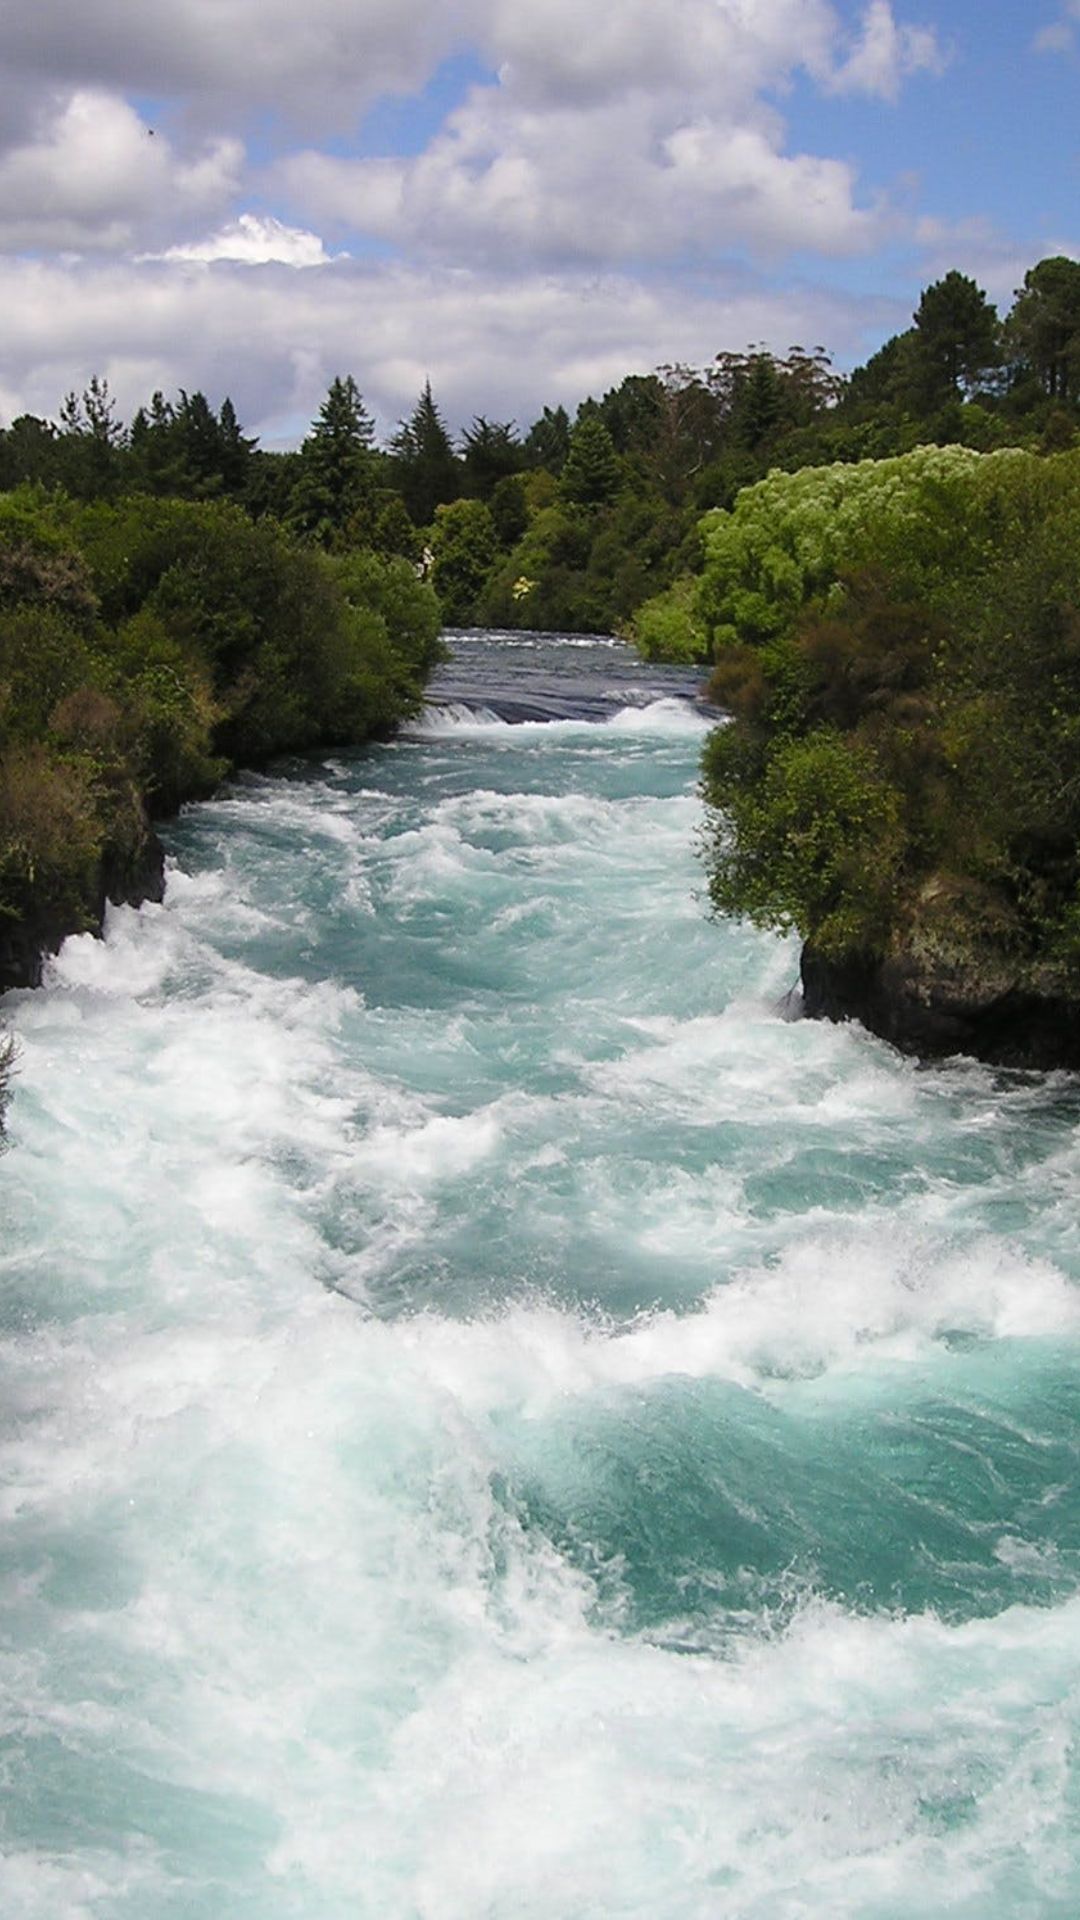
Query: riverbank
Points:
[149, 648]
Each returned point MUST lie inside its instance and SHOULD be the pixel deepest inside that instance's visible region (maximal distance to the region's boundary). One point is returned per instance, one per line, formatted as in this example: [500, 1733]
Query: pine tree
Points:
[592, 475]
[1044, 326]
[957, 339]
[428, 472]
[491, 451]
[336, 481]
[547, 442]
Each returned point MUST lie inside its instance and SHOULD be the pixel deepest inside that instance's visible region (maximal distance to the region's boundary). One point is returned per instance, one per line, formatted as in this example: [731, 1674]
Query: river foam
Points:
[498, 1418]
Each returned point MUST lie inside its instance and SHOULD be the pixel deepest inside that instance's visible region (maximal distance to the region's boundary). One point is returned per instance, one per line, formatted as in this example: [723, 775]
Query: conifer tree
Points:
[592, 475]
[1044, 326]
[336, 480]
[547, 442]
[957, 338]
[428, 471]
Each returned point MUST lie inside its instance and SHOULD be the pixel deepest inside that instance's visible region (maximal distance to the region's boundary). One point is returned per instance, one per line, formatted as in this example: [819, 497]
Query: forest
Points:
[881, 569]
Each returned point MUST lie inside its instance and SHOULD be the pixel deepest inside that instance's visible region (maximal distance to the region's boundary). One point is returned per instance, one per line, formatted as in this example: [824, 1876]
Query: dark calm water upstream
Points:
[498, 1423]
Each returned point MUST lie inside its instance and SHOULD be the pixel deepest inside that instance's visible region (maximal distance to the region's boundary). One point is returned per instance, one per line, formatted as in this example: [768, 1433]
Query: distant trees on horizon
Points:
[584, 516]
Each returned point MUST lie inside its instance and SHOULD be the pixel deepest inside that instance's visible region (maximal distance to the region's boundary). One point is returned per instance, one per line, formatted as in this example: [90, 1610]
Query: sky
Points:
[522, 200]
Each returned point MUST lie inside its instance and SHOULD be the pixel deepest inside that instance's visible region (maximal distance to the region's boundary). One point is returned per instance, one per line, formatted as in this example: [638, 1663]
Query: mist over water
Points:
[497, 1421]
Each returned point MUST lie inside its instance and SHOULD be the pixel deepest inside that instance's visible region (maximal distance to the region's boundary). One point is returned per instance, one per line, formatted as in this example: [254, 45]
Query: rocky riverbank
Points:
[947, 986]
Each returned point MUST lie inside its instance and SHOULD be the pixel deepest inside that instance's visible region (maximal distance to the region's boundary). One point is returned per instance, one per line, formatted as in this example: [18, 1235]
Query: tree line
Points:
[176, 600]
[574, 522]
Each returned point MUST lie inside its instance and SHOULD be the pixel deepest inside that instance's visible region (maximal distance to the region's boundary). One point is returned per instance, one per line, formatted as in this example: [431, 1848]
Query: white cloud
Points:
[93, 175]
[612, 140]
[327, 59]
[513, 344]
[331, 58]
[649, 173]
[1060, 36]
[885, 54]
[253, 240]
[621, 132]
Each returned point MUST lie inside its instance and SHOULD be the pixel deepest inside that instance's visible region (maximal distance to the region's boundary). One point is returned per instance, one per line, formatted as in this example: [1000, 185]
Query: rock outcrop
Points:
[126, 877]
[956, 979]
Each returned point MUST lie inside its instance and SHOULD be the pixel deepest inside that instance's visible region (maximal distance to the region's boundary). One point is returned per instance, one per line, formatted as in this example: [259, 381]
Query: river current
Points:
[498, 1420]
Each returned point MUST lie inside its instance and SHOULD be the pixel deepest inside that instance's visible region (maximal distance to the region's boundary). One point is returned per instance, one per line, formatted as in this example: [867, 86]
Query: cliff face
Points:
[955, 980]
[126, 876]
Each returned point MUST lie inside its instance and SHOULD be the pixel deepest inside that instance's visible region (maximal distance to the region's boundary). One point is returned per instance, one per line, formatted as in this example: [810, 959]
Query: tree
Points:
[465, 548]
[1044, 326]
[336, 478]
[887, 377]
[759, 407]
[91, 438]
[632, 412]
[491, 451]
[592, 475]
[957, 338]
[28, 451]
[235, 450]
[428, 471]
[547, 442]
[510, 509]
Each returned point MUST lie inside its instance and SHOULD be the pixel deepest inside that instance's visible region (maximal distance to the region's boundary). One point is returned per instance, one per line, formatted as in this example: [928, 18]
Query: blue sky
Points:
[521, 201]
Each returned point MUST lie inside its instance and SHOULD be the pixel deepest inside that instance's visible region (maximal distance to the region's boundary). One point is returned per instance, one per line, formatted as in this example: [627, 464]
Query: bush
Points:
[810, 837]
[899, 643]
[667, 626]
[50, 833]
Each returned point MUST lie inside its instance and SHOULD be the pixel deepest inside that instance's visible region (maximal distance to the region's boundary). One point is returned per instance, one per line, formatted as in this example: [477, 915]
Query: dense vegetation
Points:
[884, 578]
[147, 645]
[897, 640]
[573, 523]
[899, 645]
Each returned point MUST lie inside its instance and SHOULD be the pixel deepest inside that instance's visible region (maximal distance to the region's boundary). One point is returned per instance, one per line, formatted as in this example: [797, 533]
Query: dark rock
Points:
[126, 878]
[926, 1008]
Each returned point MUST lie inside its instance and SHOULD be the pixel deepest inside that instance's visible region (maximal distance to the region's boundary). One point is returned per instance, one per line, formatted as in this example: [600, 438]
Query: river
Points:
[499, 1421]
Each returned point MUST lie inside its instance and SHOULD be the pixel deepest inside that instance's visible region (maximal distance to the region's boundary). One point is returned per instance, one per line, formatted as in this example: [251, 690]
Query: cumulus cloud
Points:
[326, 58]
[677, 151]
[885, 54]
[93, 175]
[253, 240]
[342, 54]
[595, 145]
[268, 331]
[625, 131]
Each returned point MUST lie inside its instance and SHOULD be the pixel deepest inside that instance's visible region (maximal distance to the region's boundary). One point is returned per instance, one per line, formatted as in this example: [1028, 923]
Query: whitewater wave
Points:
[655, 719]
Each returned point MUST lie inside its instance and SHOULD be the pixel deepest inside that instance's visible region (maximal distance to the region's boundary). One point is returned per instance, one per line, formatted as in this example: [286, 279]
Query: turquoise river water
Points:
[497, 1420]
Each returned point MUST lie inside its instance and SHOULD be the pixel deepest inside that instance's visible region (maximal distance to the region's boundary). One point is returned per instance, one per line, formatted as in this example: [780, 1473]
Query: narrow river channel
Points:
[499, 1421]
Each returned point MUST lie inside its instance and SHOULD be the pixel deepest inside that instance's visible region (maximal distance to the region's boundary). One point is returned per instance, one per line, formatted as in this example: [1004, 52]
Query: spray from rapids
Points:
[496, 1419]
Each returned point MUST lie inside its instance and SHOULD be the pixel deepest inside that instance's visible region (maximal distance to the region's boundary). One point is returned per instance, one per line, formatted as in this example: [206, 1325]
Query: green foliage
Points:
[789, 538]
[1044, 327]
[491, 453]
[592, 475]
[388, 590]
[50, 833]
[426, 468]
[899, 646]
[547, 442]
[147, 644]
[812, 840]
[957, 339]
[335, 479]
[509, 509]
[464, 546]
[667, 628]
